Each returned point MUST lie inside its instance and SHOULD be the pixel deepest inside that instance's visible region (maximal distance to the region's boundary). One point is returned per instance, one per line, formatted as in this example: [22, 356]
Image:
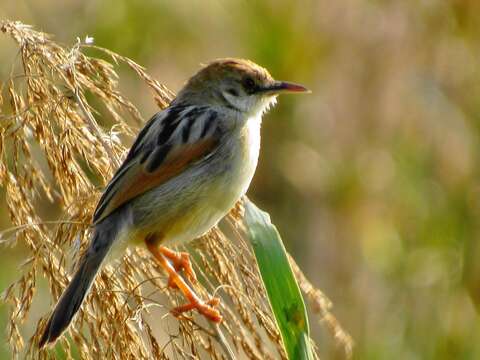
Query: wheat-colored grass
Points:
[51, 147]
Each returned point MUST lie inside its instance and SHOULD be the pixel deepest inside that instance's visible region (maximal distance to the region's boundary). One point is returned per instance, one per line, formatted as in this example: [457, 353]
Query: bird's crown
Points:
[235, 83]
[242, 71]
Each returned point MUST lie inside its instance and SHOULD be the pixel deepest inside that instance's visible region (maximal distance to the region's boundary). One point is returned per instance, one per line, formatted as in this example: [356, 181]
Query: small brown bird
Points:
[187, 168]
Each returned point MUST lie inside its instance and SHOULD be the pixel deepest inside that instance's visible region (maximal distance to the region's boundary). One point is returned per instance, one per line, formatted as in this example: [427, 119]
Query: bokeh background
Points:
[372, 179]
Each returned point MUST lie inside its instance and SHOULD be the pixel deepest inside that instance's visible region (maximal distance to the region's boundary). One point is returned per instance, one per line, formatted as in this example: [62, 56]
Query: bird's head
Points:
[236, 84]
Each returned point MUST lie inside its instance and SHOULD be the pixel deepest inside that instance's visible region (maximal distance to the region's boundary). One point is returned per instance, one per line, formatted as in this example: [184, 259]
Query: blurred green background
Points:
[371, 179]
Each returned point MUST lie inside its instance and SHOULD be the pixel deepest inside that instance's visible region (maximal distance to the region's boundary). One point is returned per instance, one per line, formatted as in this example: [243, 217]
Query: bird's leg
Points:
[180, 261]
[205, 308]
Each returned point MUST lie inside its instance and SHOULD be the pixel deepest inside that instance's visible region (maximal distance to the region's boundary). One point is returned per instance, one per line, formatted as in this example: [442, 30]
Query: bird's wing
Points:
[170, 142]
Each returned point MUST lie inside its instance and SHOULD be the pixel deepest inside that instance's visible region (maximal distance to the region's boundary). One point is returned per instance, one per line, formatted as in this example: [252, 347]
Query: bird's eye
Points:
[249, 84]
[232, 92]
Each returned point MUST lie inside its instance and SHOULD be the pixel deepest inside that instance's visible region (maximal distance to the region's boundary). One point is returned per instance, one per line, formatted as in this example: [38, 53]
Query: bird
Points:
[188, 166]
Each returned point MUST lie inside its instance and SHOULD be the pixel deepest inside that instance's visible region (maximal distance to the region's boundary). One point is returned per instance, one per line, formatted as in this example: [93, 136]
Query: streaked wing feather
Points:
[162, 151]
[139, 180]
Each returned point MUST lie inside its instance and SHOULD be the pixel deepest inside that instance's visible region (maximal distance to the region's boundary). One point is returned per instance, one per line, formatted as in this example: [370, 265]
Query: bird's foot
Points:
[207, 309]
[180, 261]
[163, 255]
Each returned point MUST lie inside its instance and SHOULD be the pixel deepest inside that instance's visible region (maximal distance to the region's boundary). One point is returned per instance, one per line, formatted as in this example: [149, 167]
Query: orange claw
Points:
[206, 309]
[182, 260]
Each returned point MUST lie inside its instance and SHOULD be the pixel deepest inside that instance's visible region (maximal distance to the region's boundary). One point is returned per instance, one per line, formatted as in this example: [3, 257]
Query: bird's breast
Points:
[249, 141]
[197, 200]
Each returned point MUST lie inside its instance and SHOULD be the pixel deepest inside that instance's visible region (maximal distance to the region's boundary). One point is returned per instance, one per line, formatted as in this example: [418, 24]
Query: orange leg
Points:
[180, 261]
[205, 308]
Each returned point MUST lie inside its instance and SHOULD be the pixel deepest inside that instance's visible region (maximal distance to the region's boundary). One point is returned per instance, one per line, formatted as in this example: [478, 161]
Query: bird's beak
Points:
[278, 87]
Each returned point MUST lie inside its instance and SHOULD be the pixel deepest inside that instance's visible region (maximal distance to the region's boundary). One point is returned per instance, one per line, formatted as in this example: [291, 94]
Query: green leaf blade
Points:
[282, 289]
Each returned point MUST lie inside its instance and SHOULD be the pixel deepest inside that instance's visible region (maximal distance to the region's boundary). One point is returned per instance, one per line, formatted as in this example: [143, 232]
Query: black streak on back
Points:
[208, 124]
[170, 123]
[157, 157]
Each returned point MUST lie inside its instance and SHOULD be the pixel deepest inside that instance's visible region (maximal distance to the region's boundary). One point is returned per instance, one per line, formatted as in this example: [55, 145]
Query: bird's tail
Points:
[78, 288]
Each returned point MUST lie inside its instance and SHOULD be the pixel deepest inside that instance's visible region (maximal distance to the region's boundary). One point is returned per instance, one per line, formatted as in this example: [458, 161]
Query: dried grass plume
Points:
[52, 149]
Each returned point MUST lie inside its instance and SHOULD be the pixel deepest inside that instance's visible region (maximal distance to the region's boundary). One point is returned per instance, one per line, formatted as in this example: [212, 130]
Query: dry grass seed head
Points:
[48, 137]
